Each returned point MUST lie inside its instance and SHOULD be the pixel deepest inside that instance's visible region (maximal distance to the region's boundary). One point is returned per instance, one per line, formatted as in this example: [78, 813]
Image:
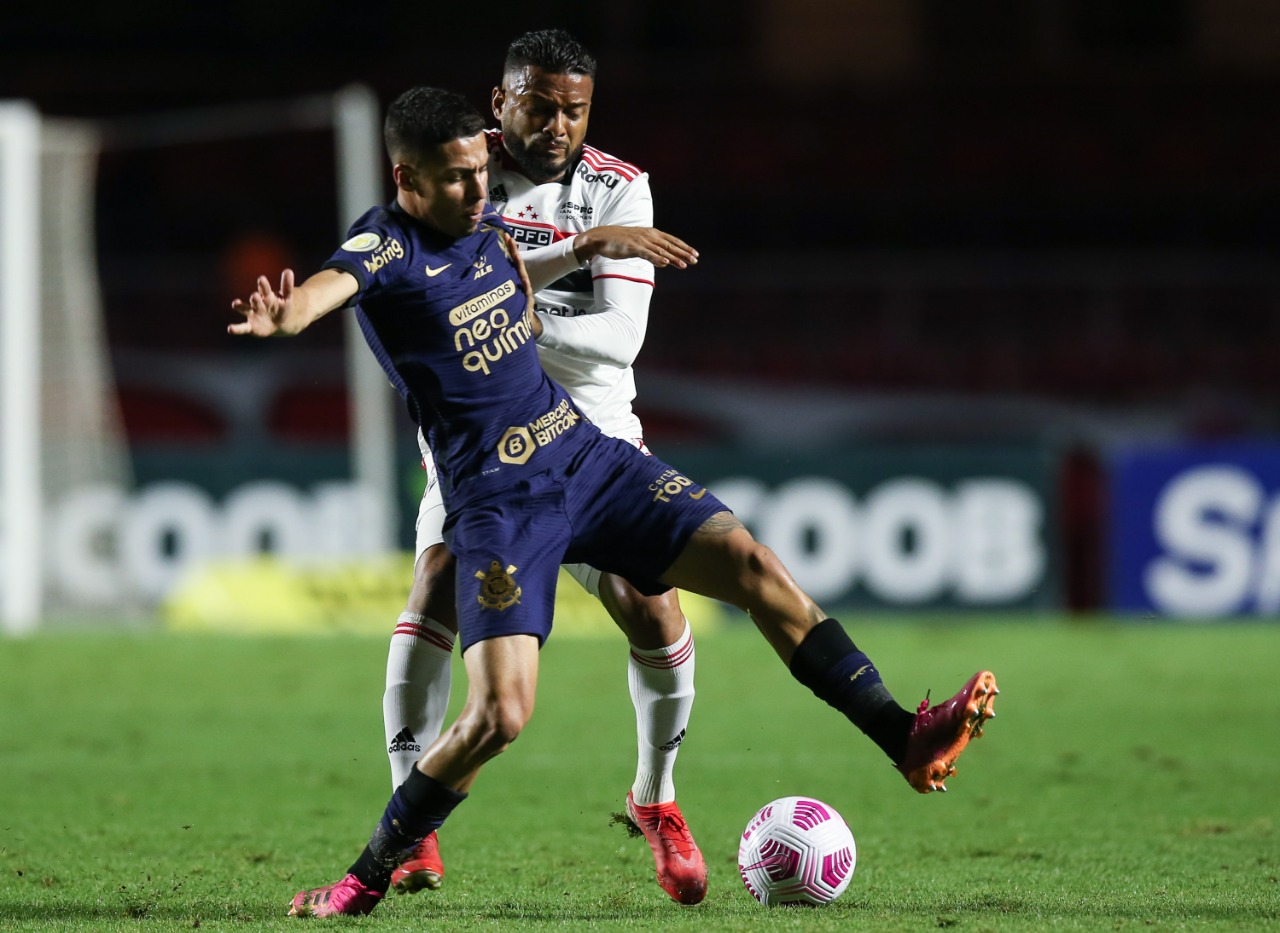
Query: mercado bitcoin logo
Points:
[554, 423]
[498, 588]
[516, 446]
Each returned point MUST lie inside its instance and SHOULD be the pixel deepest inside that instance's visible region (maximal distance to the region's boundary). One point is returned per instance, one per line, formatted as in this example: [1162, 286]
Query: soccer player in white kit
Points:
[577, 212]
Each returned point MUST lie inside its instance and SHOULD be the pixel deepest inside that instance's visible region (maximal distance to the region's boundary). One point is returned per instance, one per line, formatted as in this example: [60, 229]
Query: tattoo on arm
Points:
[722, 523]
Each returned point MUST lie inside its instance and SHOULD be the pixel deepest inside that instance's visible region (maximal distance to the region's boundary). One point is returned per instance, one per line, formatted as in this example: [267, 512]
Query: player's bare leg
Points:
[503, 677]
[660, 674]
[502, 680]
[724, 562]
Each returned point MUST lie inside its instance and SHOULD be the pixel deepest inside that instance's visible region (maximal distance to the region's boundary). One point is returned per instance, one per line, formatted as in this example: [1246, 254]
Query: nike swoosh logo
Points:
[862, 670]
[697, 495]
[432, 273]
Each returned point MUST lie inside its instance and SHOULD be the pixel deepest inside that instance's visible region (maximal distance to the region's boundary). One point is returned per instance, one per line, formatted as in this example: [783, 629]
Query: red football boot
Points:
[423, 869]
[680, 867]
[940, 733]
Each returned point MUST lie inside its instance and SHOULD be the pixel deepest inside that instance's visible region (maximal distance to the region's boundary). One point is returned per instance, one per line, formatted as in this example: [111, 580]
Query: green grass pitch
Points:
[179, 782]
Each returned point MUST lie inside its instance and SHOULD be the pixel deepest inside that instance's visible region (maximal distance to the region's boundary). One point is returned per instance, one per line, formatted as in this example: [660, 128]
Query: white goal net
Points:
[61, 433]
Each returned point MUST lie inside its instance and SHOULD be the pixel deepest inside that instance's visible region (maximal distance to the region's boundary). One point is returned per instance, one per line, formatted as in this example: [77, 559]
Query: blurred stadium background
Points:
[986, 319]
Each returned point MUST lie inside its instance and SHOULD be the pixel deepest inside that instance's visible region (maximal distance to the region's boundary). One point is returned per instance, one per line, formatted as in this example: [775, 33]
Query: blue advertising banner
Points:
[1195, 530]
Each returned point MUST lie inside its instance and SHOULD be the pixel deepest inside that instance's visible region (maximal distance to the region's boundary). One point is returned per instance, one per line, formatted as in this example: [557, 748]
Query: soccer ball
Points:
[796, 850]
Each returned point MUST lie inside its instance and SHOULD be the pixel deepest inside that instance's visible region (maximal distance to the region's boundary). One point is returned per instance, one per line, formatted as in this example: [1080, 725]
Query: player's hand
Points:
[612, 242]
[513, 251]
[265, 310]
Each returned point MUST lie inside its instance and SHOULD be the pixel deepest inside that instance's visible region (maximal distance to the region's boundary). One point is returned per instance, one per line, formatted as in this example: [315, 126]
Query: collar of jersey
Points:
[490, 218]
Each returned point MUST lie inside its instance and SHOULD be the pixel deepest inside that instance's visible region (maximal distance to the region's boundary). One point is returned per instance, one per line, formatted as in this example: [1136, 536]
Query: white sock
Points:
[662, 692]
[417, 696]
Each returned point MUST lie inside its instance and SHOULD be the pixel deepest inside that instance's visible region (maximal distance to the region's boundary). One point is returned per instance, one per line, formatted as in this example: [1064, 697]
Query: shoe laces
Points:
[924, 704]
[344, 893]
[677, 838]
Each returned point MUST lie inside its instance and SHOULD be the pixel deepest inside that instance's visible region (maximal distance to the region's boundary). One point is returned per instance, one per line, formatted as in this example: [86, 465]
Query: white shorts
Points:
[429, 528]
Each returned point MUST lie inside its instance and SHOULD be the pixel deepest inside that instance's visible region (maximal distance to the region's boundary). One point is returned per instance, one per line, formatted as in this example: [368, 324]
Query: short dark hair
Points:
[425, 117]
[552, 50]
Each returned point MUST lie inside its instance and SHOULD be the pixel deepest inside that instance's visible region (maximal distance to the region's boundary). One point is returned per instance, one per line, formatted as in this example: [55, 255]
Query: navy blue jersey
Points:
[528, 482]
[446, 319]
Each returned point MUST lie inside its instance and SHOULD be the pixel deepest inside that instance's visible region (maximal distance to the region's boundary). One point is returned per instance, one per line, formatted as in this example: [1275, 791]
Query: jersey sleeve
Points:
[631, 207]
[547, 264]
[614, 334]
[623, 289]
[374, 252]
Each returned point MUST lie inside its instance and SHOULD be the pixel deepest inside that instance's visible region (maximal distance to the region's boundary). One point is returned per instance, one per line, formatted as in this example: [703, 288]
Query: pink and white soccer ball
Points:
[796, 850]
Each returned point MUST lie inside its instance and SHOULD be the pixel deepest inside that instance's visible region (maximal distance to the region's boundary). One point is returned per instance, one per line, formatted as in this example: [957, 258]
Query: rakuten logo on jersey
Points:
[608, 179]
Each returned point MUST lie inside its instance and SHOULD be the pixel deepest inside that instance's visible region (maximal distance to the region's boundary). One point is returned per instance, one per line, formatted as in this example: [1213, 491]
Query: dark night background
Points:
[843, 136]
[929, 206]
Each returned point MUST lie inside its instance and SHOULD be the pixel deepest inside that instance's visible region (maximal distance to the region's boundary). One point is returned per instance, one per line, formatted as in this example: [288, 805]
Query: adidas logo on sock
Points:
[673, 743]
[405, 742]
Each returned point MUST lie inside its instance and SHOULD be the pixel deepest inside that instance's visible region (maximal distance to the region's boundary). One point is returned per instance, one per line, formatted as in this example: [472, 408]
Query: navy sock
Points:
[830, 664]
[417, 809]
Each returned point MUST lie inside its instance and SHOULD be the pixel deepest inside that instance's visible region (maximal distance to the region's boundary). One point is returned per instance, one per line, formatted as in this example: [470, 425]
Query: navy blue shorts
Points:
[609, 505]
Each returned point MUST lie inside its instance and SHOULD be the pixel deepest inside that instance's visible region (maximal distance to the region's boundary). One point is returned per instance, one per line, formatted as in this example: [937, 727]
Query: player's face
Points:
[544, 119]
[447, 188]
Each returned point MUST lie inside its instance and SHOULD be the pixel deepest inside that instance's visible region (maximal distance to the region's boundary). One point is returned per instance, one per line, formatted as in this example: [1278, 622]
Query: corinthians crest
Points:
[498, 588]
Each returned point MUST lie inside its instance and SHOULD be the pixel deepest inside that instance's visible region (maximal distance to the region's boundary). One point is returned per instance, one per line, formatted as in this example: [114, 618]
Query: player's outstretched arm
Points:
[294, 308]
[649, 243]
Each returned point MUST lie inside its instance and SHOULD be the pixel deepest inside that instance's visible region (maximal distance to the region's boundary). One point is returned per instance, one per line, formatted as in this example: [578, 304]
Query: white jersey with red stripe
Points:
[594, 319]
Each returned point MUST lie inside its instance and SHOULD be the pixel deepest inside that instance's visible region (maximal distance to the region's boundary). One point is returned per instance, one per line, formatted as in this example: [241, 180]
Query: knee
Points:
[767, 586]
[758, 563]
[647, 621]
[645, 612]
[491, 729]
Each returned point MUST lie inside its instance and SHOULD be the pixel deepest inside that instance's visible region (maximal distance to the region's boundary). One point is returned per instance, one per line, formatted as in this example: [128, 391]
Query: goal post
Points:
[60, 428]
[358, 137]
[20, 486]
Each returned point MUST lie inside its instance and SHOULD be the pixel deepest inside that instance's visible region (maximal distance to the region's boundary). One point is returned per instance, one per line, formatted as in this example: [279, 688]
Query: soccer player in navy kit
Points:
[444, 303]
[585, 220]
